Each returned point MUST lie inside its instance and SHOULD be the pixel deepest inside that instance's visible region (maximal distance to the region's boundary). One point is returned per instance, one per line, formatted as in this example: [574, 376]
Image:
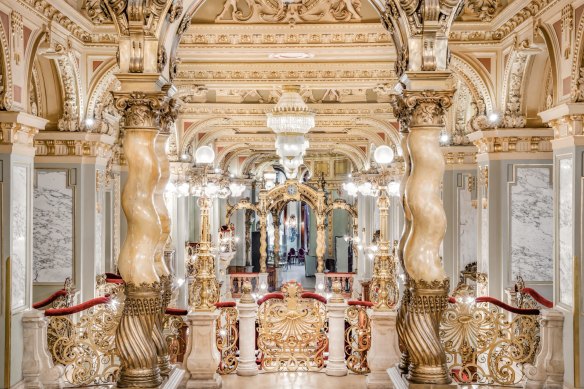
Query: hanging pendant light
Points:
[290, 120]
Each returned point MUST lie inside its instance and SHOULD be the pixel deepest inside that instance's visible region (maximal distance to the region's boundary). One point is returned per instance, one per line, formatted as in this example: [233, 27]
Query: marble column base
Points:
[202, 355]
[213, 383]
[398, 381]
[384, 352]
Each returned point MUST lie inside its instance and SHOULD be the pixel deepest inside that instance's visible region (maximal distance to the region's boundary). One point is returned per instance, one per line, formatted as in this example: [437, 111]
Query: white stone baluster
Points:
[248, 312]
[384, 352]
[336, 308]
[548, 369]
[37, 365]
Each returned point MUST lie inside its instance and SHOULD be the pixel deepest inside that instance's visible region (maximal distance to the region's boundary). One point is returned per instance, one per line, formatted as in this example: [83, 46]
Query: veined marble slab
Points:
[565, 230]
[19, 228]
[467, 229]
[531, 208]
[53, 222]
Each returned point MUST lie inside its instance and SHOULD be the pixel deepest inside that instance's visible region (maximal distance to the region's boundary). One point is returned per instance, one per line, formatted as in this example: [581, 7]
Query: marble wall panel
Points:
[19, 225]
[484, 262]
[565, 228]
[53, 221]
[467, 229]
[531, 212]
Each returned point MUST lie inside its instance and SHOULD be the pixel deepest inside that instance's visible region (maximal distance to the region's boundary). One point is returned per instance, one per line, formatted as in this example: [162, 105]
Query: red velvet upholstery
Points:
[50, 299]
[113, 276]
[225, 304]
[176, 311]
[78, 308]
[538, 297]
[316, 296]
[114, 281]
[361, 303]
[269, 296]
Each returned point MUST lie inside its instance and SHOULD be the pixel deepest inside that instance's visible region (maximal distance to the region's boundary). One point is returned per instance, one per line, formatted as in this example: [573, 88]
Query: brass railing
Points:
[176, 334]
[357, 336]
[227, 335]
[85, 347]
[484, 347]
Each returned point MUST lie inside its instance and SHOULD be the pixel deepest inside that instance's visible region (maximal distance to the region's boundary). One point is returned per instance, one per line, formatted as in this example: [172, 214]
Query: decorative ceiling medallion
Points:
[290, 11]
[291, 56]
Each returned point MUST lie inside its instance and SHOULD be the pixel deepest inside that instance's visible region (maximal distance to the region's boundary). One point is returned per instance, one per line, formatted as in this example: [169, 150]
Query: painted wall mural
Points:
[53, 226]
[531, 212]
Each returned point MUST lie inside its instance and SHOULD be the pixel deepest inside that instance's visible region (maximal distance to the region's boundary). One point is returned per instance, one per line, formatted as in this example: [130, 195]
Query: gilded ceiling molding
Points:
[215, 134]
[514, 85]
[577, 73]
[6, 98]
[73, 107]
[474, 80]
[355, 35]
[305, 11]
[188, 139]
[46, 9]
[387, 128]
[420, 30]
[100, 106]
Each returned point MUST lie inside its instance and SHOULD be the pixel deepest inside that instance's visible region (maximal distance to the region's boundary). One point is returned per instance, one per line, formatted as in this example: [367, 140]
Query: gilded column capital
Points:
[141, 109]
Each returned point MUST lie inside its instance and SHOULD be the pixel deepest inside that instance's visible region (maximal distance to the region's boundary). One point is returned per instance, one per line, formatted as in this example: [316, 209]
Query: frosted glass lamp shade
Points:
[204, 154]
[383, 155]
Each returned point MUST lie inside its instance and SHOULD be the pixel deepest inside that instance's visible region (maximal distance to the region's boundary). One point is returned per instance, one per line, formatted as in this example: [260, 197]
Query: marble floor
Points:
[297, 273]
[289, 380]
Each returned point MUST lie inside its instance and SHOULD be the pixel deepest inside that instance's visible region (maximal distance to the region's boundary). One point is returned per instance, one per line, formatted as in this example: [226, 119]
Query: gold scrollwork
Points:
[482, 346]
[227, 333]
[86, 348]
[292, 332]
[357, 339]
[176, 334]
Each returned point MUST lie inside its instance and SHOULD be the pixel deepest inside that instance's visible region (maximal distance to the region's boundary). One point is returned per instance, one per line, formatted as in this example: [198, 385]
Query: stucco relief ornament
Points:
[295, 11]
[485, 9]
[140, 110]
[577, 94]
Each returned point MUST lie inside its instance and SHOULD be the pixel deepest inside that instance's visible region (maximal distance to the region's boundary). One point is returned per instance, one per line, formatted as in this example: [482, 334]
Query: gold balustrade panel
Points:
[227, 334]
[357, 339]
[292, 333]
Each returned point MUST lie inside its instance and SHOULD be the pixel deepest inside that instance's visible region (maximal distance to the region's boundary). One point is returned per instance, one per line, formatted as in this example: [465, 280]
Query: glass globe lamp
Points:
[204, 154]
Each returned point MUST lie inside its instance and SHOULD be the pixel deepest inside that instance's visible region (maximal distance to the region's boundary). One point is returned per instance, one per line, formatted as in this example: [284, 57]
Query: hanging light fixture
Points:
[290, 120]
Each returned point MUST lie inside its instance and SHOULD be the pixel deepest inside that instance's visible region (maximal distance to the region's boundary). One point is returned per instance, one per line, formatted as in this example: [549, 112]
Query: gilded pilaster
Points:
[276, 224]
[320, 243]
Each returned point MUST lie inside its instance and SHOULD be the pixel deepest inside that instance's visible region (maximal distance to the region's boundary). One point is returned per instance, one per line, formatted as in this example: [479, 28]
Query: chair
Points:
[292, 256]
[301, 256]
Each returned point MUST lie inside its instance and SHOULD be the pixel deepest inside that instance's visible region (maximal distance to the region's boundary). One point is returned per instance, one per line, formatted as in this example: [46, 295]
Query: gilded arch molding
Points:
[474, 79]
[190, 135]
[6, 97]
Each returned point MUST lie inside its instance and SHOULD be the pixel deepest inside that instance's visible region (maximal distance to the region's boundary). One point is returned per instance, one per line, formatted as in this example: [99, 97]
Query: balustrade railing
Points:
[176, 333]
[60, 299]
[227, 337]
[484, 347]
[85, 344]
[357, 336]
[346, 280]
[238, 279]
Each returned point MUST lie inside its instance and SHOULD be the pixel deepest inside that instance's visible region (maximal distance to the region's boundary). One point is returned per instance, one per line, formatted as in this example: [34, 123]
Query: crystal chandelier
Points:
[290, 120]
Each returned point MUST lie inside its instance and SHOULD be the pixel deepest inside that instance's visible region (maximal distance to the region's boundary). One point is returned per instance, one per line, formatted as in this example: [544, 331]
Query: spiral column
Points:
[168, 116]
[134, 341]
[427, 282]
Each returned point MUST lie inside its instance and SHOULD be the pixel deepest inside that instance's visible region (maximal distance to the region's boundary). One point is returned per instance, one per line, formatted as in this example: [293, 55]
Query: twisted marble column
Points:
[276, 224]
[167, 119]
[139, 367]
[404, 301]
[428, 283]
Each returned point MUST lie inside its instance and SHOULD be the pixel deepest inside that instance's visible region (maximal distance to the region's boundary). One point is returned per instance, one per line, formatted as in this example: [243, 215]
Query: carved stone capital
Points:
[168, 116]
[139, 109]
[421, 108]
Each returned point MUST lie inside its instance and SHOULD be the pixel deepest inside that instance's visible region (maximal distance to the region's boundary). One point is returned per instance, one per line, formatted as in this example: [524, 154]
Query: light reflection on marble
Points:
[467, 229]
[565, 221]
[19, 231]
[53, 227]
[531, 224]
